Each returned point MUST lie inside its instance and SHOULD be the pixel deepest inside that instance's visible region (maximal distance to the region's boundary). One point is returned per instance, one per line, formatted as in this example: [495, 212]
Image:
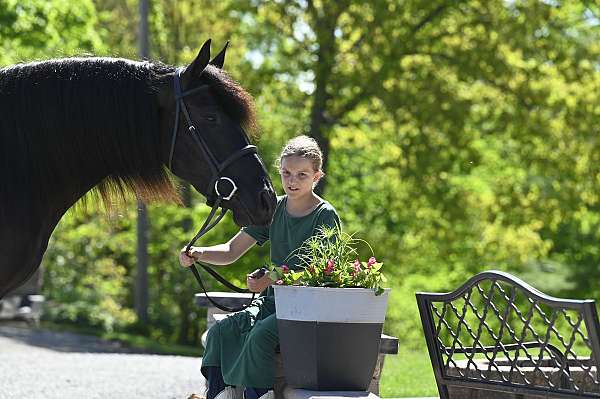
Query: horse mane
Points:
[238, 103]
[103, 110]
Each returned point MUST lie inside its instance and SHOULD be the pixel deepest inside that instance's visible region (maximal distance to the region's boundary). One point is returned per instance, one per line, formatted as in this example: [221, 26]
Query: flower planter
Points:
[329, 337]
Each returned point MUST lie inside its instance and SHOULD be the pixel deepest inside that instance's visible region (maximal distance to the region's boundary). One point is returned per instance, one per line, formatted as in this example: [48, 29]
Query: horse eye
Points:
[210, 118]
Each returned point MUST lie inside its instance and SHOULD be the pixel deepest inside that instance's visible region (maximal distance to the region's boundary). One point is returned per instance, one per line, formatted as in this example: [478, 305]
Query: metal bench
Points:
[498, 337]
[388, 344]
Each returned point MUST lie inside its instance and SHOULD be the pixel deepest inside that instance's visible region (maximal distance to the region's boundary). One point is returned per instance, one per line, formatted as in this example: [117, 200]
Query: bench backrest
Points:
[498, 333]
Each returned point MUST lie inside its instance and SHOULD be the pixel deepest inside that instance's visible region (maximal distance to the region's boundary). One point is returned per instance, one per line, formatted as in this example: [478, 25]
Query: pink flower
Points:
[285, 268]
[356, 266]
[371, 262]
[330, 266]
[279, 282]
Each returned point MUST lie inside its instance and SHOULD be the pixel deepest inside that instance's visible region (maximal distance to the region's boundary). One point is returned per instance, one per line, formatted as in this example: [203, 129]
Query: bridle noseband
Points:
[217, 169]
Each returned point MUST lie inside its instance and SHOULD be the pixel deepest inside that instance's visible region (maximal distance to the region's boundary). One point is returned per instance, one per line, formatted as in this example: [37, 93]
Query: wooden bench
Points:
[387, 346]
[498, 337]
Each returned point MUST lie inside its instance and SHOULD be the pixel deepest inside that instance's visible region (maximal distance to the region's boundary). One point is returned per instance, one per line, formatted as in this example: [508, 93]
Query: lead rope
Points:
[208, 224]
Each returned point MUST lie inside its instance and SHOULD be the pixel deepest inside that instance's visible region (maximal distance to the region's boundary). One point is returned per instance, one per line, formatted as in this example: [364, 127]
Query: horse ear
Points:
[201, 61]
[219, 60]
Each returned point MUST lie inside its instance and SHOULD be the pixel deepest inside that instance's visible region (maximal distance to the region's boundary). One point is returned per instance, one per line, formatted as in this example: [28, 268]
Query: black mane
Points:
[104, 110]
[233, 98]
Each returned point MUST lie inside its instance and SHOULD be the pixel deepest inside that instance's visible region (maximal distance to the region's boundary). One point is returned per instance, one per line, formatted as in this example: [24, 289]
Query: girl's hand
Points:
[186, 260]
[258, 284]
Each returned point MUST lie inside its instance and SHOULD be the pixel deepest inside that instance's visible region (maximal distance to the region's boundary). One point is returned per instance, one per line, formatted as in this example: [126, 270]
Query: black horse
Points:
[68, 126]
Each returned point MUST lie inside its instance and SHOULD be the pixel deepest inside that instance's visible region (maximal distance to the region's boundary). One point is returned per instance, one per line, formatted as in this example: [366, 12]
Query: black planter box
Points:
[329, 340]
[329, 356]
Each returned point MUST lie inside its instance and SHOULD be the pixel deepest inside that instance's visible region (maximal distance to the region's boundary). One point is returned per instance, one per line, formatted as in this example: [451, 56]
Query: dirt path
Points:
[52, 365]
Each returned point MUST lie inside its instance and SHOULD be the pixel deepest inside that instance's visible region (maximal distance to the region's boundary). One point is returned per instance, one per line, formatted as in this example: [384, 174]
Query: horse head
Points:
[203, 115]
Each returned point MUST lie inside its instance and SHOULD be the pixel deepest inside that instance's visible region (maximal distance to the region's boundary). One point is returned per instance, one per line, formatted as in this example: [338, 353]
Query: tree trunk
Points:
[319, 128]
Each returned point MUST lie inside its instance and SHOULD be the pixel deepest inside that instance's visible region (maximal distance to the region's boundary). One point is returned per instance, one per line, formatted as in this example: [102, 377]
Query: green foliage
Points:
[38, 29]
[86, 271]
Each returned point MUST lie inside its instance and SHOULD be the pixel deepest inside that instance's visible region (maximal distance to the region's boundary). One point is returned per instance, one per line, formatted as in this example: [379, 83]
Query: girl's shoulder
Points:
[325, 206]
[323, 210]
[327, 213]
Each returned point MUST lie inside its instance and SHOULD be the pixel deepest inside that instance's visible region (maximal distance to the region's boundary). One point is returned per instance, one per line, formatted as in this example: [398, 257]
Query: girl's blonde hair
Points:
[305, 147]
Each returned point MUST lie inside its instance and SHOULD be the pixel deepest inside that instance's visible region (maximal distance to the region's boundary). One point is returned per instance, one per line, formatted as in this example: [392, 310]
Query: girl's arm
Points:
[222, 254]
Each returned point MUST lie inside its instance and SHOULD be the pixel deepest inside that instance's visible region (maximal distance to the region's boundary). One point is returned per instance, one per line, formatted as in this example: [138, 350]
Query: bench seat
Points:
[294, 393]
[229, 299]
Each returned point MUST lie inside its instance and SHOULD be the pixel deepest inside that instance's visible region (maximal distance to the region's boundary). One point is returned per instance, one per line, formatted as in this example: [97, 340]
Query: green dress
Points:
[244, 343]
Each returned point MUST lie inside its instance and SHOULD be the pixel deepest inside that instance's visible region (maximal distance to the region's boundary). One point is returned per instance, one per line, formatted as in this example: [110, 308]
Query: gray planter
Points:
[329, 337]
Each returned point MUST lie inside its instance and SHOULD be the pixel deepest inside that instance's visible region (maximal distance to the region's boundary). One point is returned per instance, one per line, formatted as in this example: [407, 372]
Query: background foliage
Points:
[461, 136]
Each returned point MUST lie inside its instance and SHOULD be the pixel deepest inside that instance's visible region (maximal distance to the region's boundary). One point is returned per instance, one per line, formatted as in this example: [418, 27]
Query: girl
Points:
[240, 349]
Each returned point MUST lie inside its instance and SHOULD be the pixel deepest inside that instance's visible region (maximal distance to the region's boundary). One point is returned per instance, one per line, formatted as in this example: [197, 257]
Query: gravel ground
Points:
[55, 365]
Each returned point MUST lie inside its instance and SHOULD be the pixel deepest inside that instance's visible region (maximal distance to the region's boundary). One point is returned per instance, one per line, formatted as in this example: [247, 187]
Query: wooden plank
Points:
[294, 393]
[388, 345]
[229, 299]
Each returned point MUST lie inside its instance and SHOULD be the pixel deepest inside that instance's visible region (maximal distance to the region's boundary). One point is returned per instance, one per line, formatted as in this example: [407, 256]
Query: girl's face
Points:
[298, 176]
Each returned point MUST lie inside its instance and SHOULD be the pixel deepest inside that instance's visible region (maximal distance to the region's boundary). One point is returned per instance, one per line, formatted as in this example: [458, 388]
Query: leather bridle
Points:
[212, 189]
[216, 167]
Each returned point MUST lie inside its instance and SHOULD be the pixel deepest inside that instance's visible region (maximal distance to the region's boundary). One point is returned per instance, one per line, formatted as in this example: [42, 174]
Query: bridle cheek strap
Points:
[216, 169]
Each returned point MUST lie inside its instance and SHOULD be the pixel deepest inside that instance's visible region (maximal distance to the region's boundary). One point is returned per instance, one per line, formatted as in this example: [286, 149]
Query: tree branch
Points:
[429, 17]
[358, 42]
[356, 100]
[347, 107]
